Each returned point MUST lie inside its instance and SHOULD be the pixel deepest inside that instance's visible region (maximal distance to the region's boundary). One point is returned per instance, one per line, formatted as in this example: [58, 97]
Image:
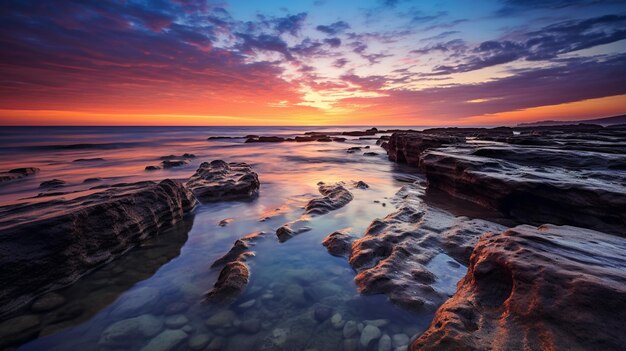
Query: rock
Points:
[239, 249]
[534, 186]
[322, 313]
[251, 325]
[247, 304]
[369, 334]
[408, 147]
[224, 222]
[394, 254]
[173, 163]
[17, 173]
[294, 293]
[95, 159]
[152, 168]
[136, 301]
[53, 243]
[377, 322]
[216, 344]
[174, 157]
[534, 288]
[291, 229]
[54, 183]
[231, 282]
[339, 243]
[176, 321]
[219, 180]
[337, 321]
[370, 154]
[127, 331]
[351, 344]
[350, 329]
[400, 340]
[265, 139]
[384, 343]
[47, 302]
[198, 342]
[166, 341]
[92, 180]
[353, 149]
[334, 197]
[221, 319]
[361, 185]
[18, 330]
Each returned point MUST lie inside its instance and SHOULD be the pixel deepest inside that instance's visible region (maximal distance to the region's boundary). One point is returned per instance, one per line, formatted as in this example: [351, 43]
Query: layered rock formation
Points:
[537, 288]
[219, 180]
[408, 147]
[46, 245]
[235, 273]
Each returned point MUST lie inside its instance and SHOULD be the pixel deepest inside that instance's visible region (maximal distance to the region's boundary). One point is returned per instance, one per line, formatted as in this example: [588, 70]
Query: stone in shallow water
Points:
[369, 334]
[219, 180]
[350, 329]
[166, 341]
[384, 343]
[400, 340]
[322, 313]
[198, 341]
[176, 321]
[223, 318]
[176, 307]
[251, 325]
[48, 302]
[247, 304]
[127, 331]
[136, 301]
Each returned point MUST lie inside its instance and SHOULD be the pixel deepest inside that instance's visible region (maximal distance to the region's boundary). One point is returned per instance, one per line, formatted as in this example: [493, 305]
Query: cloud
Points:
[333, 42]
[334, 28]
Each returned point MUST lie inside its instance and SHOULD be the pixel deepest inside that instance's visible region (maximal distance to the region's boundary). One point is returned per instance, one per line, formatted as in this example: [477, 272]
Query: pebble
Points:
[384, 343]
[350, 329]
[322, 313]
[369, 334]
[216, 344]
[248, 304]
[337, 321]
[224, 318]
[400, 340]
[176, 308]
[199, 341]
[252, 325]
[176, 321]
[166, 341]
[350, 345]
[377, 322]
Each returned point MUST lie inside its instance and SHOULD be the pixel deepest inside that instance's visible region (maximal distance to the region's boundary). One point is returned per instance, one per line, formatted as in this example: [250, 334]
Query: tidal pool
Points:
[299, 297]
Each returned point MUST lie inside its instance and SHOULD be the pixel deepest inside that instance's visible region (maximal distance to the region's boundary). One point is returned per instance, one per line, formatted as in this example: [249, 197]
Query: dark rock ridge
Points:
[562, 175]
[173, 163]
[219, 180]
[393, 255]
[53, 183]
[235, 273]
[545, 288]
[17, 173]
[95, 159]
[339, 243]
[47, 245]
[408, 147]
[174, 157]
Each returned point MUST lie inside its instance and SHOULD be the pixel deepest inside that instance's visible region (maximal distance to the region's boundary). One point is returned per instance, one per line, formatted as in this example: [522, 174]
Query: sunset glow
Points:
[310, 62]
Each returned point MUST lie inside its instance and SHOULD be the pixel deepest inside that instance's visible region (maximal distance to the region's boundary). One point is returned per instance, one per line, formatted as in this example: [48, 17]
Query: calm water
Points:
[164, 281]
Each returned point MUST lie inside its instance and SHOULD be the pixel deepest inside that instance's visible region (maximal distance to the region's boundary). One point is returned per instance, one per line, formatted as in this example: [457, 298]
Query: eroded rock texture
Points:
[219, 180]
[394, 255]
[46, 245]
[407, 147]
[235, 273]
[335, 196]
[537, 288]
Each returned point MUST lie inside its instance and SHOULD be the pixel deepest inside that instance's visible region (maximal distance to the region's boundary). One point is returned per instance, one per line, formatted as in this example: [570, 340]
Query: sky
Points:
[318, 62]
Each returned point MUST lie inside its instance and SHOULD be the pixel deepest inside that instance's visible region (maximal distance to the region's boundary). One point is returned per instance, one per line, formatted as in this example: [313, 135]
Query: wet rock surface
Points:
[335, 196]
[219, 180]
[408, 147]
[394, 254]
[537, 288]
[339, 243]
[17, 173]
[45, 245]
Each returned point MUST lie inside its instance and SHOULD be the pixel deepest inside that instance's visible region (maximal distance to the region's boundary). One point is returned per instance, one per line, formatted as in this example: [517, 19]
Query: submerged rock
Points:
[291, 229]
[545, 288]
[173, 163]
[53, 183]
[166, 341]
[50, 244]
[219, 180]
[128, 331]
[339, 243]
[17, 173]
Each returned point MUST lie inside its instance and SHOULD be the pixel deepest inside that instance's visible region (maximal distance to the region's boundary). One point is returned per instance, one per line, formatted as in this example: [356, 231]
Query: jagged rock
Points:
[408, 147]
[234, 276]
[291, 229]
[335, 196]
[394, 254]
[17, 173]
[339, 243]
[45, 245]
[219, 180]
[545, 288]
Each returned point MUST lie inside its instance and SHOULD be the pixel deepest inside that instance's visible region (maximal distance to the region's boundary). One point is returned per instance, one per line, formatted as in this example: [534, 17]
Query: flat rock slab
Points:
[537, 288]
[45, 245]
[219, 180]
